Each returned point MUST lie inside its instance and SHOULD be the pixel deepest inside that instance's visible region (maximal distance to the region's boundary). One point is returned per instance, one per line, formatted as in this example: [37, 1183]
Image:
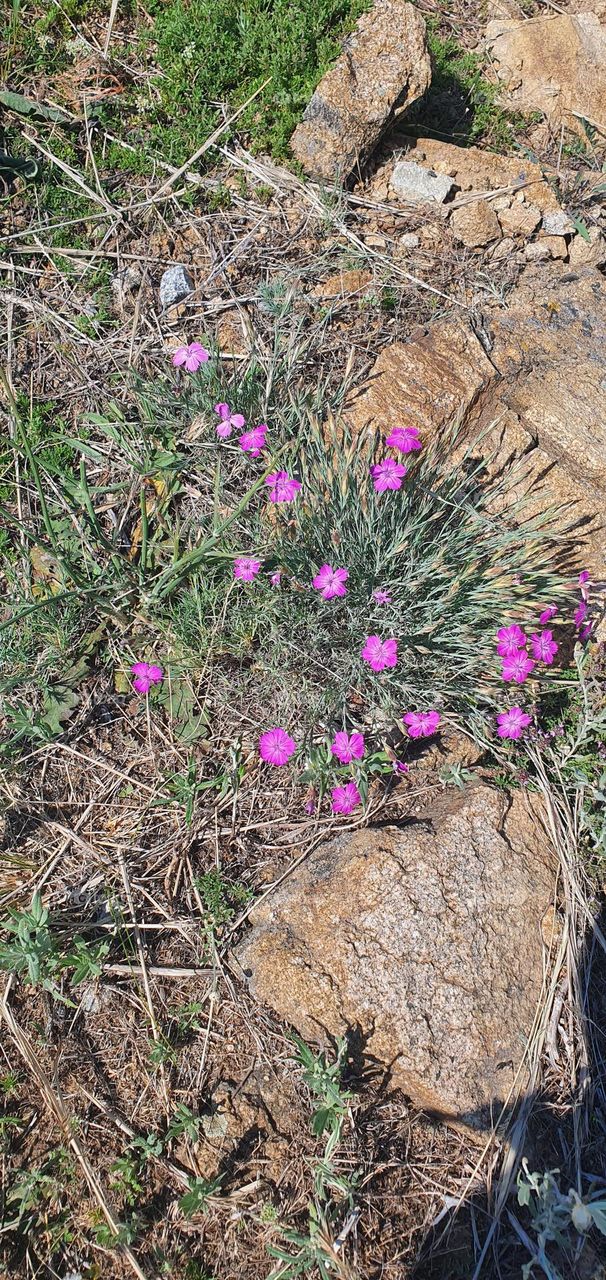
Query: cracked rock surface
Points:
[426, 938]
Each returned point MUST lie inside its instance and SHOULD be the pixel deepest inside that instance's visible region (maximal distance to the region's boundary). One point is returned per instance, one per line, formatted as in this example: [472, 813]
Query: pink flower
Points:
[544, 647]
[517, 666]
[381, 597]
[548, 613]
[512, 722]
[283, 489]
[388, 475]
[276, 746]
[406, 439]
[580, 614]
[345, 799]
[246, 568]
[228, 420]
[276, 578]
[509, 640]
[330, 582]
[584, 577]
[253, 442]
[191, 356]
[347, 748]
[380, 653]
[421, 724]
[400, 766]
[146, 674]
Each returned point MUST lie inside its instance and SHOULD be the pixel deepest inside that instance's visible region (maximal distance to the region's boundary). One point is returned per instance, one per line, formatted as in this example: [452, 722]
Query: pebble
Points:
[412, 182]
[175, 285]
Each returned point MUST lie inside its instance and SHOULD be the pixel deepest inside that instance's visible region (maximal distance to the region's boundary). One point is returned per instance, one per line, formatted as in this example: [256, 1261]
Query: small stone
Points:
[500, 203]
[558, 246]
[375, 242]
[557, 223]
[520, 220]
[125, 282]
[502, 250]
[410, 240]
[538, 251]
[343, 282]
[476, 224]
[416, 185]
[175, 285]
[590, 252]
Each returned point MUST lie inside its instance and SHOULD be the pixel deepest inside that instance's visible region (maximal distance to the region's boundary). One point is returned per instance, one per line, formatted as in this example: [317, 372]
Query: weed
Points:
[196, 1199]
[554, 1216]
[332, 1201]
[184, 1123]
[220, 898]
[32, 949]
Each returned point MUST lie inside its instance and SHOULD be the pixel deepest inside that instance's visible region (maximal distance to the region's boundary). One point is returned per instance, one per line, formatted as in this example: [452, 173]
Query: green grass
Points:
[461, 102]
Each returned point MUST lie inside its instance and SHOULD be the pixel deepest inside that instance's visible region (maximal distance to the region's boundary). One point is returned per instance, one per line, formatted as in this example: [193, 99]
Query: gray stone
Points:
[413, 183]
[383, 69]
[557, 223]
[410, 240]
[538, 251]
[426, 938]
[176, 285]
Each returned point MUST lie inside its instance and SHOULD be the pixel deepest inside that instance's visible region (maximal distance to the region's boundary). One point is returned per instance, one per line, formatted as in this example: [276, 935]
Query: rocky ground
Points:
[444, 949]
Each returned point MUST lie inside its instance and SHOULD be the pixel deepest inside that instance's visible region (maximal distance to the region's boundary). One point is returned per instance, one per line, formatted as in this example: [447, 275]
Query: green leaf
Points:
[30, 107]
[582, 229]
[598, 1213]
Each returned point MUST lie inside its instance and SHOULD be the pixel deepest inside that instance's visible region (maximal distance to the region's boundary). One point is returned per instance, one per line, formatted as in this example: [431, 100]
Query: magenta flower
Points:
[276, 746]
[381, 597]
[191, 357]
[246, 568]
[347, 748]
[253, 442]
[512, 722]
[283, 489]
[146, 674]
[421, 724]
[580, 614]
[406, 439]
[388, 475]
[330, 582]
[584, 577]
[276, 578]
[228, 420]
[517, 666]
[345, 799]
[544, 647]
[548, 613]
[509, 640]
[380, 653]
[400, 766]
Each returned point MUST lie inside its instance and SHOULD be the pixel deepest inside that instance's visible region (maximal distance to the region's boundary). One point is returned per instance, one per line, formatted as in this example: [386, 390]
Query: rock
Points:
[124, 283]
[557, 245]
[428, 380]
[416, 185]
[426, 938]
[343, 282]
[550, 348]
[504, 249]
[476, 224]
[175, 285]
[410, 240]
[557, 223]
[479, 171]
[552, 64]
[384, 67]
[520, 220]
[538, 251]
[590, 252]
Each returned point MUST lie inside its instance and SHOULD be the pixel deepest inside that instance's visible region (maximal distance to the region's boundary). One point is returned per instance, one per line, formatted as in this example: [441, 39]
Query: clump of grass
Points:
[212, 52]
[461, 101]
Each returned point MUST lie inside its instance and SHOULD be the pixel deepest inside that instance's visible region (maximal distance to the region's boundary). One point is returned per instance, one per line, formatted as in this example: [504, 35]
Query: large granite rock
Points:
[545, 373]
[383, 69]
[555, 64]
[426, 938]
